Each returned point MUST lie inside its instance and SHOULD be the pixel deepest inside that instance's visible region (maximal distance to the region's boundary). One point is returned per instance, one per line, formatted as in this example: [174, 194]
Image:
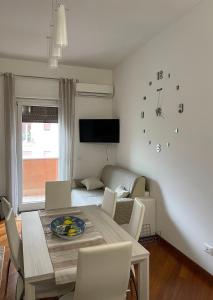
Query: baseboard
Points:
[148, 239]
[186, 259]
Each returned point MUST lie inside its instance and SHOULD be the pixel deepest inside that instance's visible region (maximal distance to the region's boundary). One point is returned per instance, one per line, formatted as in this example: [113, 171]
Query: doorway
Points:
[39, 152]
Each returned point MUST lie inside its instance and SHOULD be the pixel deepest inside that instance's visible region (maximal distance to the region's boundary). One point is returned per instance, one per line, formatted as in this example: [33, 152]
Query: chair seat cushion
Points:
[49, 289]
[46, 289]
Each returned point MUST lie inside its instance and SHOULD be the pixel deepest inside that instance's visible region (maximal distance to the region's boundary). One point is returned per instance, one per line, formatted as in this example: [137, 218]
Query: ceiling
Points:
[101, 33]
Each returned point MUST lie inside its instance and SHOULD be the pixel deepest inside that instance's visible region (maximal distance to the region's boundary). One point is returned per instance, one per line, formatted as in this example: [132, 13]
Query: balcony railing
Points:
[36, 172]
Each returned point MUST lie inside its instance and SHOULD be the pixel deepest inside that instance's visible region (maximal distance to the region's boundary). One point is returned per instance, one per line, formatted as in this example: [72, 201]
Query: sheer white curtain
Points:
[11, 140]
[66, 125]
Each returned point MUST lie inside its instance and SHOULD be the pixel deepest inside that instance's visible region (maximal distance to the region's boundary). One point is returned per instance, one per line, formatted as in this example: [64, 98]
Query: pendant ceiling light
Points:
[61, 39]
[53, 62]
[58, 33]
[54, 51]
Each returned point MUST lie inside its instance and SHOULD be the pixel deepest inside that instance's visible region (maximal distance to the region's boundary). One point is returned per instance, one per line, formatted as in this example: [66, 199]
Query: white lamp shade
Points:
[53, 62]
[55, 51]
[61, 27]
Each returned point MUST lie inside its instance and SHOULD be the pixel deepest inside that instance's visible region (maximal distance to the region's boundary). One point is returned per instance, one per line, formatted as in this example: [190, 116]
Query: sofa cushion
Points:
[81, 197]
[92, 183]
[121, 192]
[113, 176]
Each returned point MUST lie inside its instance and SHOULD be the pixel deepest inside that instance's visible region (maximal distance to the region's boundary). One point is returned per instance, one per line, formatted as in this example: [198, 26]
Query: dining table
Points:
[39, 261]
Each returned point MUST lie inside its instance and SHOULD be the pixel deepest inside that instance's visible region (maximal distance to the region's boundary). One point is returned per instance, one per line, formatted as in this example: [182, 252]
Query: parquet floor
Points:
[172, 277]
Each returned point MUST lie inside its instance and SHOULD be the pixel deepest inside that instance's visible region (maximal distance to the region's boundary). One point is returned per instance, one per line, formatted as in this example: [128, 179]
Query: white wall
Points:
[89, 159]
[2, 141]
[180, 176]
[84, 74]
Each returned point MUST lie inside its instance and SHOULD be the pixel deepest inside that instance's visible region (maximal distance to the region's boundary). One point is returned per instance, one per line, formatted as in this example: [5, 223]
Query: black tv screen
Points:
[99, 130]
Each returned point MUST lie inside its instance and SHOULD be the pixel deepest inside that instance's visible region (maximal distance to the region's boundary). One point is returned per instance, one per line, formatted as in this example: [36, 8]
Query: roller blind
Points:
[39, 114]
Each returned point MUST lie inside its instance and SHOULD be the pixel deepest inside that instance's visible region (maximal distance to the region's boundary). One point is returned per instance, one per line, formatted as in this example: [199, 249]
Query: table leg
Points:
[29, 293]
[143, 279]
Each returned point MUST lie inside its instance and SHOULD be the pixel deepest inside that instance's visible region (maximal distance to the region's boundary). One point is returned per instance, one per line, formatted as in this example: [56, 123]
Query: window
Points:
[40, 150]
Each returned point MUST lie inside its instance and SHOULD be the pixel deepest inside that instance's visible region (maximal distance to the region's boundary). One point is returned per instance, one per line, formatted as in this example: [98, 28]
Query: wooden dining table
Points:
[37, 261]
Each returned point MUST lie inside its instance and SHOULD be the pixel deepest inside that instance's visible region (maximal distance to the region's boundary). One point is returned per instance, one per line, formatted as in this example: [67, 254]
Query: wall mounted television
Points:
[99, 130]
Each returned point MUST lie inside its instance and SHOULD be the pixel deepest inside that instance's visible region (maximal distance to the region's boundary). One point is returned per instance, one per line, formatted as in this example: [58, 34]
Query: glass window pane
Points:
[40, 150]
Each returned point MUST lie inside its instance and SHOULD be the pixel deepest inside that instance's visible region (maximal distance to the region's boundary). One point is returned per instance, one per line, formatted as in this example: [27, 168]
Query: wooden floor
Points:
[172, 276]
[175, 277]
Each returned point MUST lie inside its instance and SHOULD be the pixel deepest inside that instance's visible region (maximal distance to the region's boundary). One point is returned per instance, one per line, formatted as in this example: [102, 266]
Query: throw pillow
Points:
[92, 183]
[121, 192]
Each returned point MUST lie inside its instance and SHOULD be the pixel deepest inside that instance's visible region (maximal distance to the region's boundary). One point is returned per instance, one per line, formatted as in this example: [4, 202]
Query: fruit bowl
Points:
[67, 227]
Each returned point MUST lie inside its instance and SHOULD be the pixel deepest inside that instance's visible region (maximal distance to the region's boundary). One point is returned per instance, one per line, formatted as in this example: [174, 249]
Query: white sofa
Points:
[112, 177]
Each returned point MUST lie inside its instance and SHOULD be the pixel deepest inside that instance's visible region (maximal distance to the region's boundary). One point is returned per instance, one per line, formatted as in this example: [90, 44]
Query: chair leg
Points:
[19, 294]
[132, 276]
[7, 276]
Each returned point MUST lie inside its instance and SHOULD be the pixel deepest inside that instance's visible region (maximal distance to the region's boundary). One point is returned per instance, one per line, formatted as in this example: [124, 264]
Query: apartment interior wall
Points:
[180, 176]
[2, 140]
[89, 159]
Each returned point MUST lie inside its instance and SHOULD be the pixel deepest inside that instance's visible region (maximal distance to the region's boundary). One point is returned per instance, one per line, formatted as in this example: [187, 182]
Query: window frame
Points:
[20, 103]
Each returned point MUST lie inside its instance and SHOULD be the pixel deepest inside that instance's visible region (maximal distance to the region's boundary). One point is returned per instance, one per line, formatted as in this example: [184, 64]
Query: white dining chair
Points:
[46, 290]
[134, 229]
[57, 194]
[136, 220]
[16, 254]
[6, 206]
[109, 202]
[102, 272]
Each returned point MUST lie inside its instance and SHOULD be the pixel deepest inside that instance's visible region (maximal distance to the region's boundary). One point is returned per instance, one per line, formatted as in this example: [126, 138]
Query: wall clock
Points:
[157, 92]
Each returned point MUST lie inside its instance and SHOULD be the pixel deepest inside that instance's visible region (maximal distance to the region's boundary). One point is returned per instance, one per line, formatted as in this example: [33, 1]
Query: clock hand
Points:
[158, 110]
[159, 92]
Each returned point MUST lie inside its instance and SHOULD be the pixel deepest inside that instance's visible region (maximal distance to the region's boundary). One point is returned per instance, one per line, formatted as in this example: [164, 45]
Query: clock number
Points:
[158, 148]
[176, 130]
[160, 75]
[180, 108]
[158, 111]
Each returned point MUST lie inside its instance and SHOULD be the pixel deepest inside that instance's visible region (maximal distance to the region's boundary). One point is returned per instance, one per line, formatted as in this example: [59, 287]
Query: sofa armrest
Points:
[138, 188]
[123, 210]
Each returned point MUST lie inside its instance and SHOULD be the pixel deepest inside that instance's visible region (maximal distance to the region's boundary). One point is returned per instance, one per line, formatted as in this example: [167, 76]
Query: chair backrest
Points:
[109, 202]
[6, 207]
[57, 194]
[136, 220]
[103, 272]
[15, 242]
